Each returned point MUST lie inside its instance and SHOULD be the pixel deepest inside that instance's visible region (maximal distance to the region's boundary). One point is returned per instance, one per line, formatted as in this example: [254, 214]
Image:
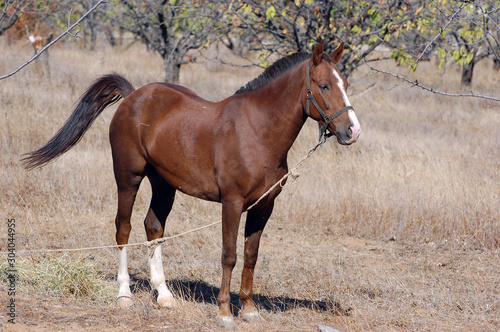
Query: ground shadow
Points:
[201, 292]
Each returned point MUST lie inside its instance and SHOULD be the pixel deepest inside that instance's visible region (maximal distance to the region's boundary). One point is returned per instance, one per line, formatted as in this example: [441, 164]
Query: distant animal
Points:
[38, 42]
[230, 152]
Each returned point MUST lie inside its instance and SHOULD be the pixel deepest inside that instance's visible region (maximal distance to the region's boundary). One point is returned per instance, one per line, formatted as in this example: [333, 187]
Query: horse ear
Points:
[337, 53]
[317, 53]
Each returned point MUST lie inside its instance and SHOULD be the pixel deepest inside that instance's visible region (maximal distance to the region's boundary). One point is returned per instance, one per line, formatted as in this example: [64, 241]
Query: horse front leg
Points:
[231, 214]
[255, 223]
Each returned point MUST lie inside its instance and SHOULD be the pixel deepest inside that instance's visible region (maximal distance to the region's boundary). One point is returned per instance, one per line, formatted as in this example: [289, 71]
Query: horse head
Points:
[326, 90]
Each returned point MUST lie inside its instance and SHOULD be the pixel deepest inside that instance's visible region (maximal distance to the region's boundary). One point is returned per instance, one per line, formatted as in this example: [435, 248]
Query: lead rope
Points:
[291, 172]
[153, 244]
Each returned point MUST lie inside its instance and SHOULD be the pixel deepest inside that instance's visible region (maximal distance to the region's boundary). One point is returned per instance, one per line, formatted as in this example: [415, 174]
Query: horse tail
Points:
[105, 91]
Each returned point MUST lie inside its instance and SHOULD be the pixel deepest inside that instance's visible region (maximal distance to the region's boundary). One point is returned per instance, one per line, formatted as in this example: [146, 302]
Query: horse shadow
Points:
[201, 292]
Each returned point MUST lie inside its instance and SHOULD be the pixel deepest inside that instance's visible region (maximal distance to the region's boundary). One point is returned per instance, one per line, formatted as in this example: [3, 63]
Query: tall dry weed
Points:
[425, 168]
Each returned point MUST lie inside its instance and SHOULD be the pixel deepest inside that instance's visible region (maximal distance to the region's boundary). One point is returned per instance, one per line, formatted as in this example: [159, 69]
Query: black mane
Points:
[276, 69]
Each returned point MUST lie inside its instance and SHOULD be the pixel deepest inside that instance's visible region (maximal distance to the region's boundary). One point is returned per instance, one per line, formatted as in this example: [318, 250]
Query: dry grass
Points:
[426, 170]
[61, 276]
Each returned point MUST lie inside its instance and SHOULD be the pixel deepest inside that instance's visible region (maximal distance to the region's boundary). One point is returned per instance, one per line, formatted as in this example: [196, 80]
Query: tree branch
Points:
[68, 31]
[417, 84]
[437, 36]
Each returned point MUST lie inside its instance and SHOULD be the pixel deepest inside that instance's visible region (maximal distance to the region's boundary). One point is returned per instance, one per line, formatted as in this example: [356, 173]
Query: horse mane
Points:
[276, 69]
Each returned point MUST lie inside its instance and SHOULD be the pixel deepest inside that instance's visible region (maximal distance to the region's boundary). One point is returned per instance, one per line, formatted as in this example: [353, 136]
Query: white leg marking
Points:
[165, 298]
[252, 317]
[226, 322]
[124, 294]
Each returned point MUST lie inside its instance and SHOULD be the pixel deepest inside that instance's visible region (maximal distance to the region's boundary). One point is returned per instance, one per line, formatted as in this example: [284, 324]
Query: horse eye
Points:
[324, 87]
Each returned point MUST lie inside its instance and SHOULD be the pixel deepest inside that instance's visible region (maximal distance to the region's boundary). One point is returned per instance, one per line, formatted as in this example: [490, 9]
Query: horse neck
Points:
[281, 103]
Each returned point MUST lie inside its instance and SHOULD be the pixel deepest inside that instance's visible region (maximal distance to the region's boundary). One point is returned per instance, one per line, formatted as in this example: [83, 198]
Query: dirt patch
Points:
[348, 283]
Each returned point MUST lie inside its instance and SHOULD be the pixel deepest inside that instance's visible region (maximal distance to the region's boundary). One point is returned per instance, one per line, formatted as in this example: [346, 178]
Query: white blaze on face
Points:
[355, 127]
[340, 84]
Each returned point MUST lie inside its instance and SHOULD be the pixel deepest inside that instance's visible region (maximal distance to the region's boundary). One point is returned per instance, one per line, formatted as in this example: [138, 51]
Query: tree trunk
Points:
[110, 37]
[93, 37]
[496, 64]
[172, 72]
[468, 69]
[467, 72]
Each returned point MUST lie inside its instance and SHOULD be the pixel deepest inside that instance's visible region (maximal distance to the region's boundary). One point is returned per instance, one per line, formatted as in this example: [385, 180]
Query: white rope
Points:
[292, 172]
[154, 243]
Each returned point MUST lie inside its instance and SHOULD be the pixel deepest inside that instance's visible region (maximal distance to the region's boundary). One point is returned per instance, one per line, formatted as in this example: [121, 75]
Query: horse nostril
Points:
[349, 131]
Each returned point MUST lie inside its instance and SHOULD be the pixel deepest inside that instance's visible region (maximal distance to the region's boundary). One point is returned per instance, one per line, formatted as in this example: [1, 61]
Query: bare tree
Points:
[173, 28]
[283, 26]
[413, 30]
[475, 36]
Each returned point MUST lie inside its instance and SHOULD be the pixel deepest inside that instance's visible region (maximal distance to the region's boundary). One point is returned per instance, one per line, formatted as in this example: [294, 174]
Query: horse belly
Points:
[196, 183]
[184, 158]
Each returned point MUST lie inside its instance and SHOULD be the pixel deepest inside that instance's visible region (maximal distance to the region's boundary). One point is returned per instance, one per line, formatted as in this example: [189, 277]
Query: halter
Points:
[326, 117]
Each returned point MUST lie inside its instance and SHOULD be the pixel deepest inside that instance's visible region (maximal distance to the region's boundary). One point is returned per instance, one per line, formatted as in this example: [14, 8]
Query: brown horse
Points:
[231, 152]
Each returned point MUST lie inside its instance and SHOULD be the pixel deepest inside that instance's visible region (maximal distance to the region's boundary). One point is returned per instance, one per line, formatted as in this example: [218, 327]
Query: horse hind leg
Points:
[128, 186]
[160, 206]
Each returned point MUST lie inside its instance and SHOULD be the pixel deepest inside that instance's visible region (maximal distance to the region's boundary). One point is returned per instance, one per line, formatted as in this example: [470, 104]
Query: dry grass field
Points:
[398, 232]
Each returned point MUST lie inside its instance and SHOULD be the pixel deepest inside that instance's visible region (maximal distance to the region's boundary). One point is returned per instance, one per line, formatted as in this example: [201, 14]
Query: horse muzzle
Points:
[351, 135]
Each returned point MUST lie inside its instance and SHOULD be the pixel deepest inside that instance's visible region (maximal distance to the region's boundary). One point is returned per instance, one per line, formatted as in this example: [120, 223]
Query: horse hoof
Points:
[167, 302]
[124, 302]
[226, 322]
[252, 317]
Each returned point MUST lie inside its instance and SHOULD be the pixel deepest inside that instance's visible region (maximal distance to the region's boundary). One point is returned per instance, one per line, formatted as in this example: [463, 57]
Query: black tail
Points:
[106, 91]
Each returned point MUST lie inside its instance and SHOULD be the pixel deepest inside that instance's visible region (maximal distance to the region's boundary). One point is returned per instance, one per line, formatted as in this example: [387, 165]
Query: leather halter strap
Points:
[326, 117]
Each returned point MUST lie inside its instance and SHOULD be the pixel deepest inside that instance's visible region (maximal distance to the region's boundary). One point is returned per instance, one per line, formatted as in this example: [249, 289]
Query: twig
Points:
[75, 35]
[232, 64]
[423, 87]
[416, 83]
[68, 31]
